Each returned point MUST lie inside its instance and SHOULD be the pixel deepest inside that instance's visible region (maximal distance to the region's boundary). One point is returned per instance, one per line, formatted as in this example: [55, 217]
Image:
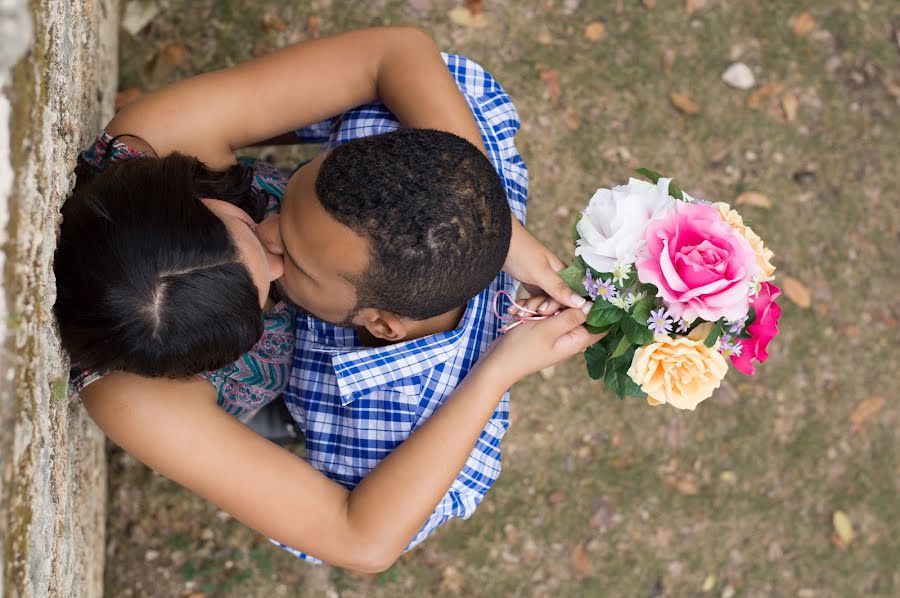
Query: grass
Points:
[742, 491]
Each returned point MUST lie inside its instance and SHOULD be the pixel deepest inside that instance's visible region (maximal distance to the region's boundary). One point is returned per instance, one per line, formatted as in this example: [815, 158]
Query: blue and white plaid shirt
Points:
[356, 404]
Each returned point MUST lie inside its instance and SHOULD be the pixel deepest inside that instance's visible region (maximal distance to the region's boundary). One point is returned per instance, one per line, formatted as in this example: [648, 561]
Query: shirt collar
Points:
[361, 371]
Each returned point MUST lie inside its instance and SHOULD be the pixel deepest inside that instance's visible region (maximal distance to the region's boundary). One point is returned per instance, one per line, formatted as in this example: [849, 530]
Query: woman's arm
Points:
[211, 115]
[177, 429]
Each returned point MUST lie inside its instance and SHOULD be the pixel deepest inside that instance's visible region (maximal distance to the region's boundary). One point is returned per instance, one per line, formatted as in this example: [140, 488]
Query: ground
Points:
[601, 497]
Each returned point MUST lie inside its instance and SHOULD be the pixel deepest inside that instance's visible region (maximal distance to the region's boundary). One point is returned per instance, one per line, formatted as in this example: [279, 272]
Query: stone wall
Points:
[57, 76]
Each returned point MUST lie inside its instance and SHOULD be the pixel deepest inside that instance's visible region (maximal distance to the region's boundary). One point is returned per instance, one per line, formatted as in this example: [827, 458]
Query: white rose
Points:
[613, 225]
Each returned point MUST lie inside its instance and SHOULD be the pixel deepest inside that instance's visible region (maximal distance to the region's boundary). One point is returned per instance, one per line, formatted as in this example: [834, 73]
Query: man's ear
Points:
[383, 324]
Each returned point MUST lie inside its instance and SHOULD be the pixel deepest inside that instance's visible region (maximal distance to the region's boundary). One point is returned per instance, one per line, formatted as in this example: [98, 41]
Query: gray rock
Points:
[739, 76]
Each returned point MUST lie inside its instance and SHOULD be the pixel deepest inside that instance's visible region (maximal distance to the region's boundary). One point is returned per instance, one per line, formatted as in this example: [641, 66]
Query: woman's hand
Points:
[533, 346]
[536, 267]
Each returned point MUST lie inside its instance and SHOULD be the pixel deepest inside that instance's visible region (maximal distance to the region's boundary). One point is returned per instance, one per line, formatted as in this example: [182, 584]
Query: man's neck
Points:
[418, 329]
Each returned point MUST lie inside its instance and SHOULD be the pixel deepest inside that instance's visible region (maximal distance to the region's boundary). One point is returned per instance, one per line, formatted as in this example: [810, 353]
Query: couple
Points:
[386, 250]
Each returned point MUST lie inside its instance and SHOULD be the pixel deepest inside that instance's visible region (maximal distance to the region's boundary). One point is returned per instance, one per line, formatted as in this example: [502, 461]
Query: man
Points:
[365, 377]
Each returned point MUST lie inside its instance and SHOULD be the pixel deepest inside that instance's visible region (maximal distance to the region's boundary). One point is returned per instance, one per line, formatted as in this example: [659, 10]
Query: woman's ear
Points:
[383, 324]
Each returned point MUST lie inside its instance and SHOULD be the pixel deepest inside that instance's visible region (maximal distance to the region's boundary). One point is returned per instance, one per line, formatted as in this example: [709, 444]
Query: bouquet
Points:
[681, 285]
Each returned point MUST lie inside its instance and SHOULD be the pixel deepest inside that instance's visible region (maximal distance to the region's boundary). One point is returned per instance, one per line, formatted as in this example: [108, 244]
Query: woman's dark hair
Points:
[149, 280]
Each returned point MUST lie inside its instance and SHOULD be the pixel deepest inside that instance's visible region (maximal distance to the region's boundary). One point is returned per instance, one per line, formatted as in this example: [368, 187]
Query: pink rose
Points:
[762, 330]
[701, 265]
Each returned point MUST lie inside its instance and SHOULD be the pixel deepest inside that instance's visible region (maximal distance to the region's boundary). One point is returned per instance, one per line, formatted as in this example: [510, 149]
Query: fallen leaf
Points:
[649, 4]
[580, 561]
[544, 37]
[764, 93]
[166, 60]
[753, 198]
[708, 584]
[796, 291]
[843, 528]
[682, 484]
[866, 409]
[789, 104]
[683, 103]
[272, 22]
[595, 31]
[557, 498]
[197, 595]
[452, 580]
[692, 6]
[312, 25]
[476, 7]
[666, 60]
[126, 96]
[174, 54]
[572, 121]
[551, 78]
[802, 23]
[464, 17]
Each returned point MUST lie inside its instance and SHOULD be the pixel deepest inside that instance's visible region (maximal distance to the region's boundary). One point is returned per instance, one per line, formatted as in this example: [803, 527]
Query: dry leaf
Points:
[692, 6]
[753, 198]
[666, 60]
[580, 561]
[476, 7]
[789, 104]
[174, 54]
[764, 93]
[684, 103]
[464, 17]
[557, 498]
[544, 37]
[551, 78]
[866, 409]
[272, 22]
[595, 31]
[649, 4]
[682, 484]
[312, 25]
[572, 121]
[166, 60]
[708, 584]
[843, 529]
[802, 23]
[126, 96]
[796, 291]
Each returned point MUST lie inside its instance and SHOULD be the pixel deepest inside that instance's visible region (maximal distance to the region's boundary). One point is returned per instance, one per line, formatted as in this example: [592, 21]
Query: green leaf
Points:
[632, 389]
[713, 335]
[637, 333]
[652, 175]
[622, 346]
[603, 314]
[575, 235]
[596, 357]
[573, 276]
[641, 311]
[674, 190]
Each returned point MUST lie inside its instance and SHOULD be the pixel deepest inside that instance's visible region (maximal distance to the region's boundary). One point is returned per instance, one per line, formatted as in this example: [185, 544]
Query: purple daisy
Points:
[660, 322]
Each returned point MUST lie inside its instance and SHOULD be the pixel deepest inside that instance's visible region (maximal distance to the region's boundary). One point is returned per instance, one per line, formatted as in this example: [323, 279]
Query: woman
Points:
[175, 426]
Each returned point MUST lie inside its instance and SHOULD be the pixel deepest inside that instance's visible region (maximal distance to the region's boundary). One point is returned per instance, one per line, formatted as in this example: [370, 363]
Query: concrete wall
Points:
[57, 75]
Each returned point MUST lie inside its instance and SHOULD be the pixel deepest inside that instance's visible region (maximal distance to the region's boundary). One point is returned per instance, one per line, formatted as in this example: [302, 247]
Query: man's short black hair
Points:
[433, 210]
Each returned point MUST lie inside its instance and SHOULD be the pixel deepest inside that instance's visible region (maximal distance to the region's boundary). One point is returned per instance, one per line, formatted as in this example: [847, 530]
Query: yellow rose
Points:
[682, 372]
[763, 255]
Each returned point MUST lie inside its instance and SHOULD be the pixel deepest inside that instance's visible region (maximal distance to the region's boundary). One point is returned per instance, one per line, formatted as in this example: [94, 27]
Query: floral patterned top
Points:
[261, 374]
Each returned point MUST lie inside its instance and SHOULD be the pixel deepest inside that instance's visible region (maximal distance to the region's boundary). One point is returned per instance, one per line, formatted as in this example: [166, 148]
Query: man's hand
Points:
[536, 268]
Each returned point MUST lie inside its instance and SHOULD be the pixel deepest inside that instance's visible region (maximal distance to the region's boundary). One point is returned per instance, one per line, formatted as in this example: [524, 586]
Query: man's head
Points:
[398, 227]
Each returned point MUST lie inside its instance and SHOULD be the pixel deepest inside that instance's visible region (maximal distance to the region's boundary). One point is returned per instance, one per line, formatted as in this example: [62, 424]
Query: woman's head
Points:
[158, 271]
